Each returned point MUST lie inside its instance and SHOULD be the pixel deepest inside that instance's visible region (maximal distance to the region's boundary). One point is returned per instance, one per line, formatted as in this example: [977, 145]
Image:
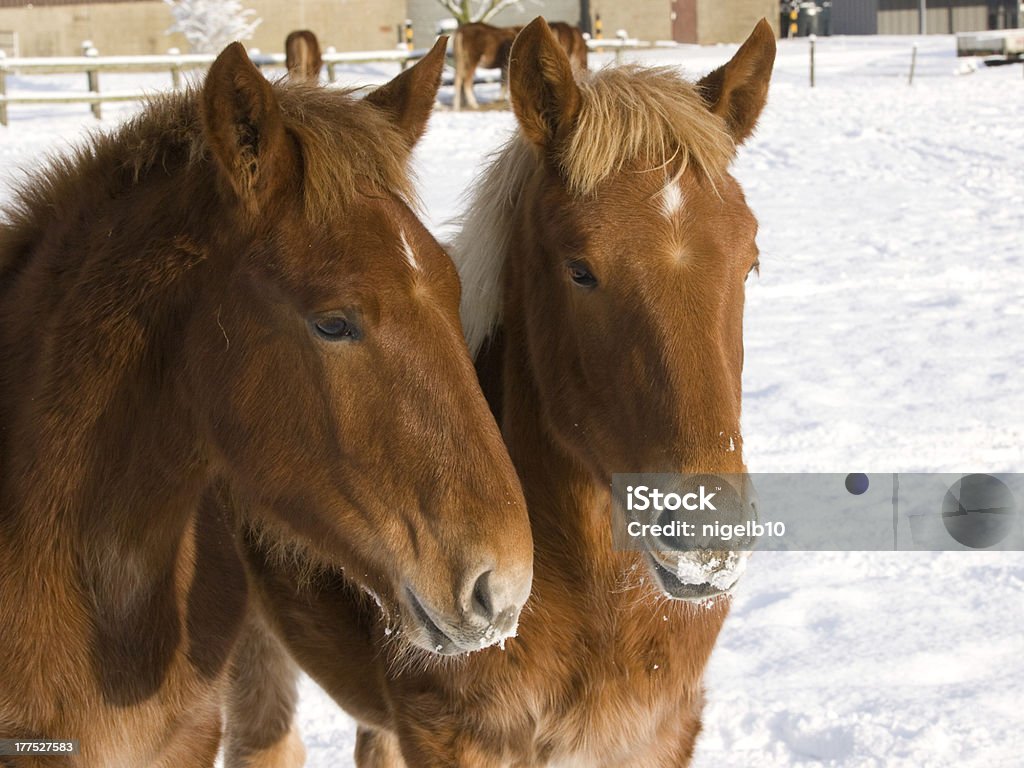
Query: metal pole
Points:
[913, 64]
[93, 77]
[175, 69]
[924, 17]
[585, 23]
[812, 39]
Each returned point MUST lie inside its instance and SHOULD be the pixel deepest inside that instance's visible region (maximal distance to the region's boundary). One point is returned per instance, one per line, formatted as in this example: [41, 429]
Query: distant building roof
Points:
[51, 3]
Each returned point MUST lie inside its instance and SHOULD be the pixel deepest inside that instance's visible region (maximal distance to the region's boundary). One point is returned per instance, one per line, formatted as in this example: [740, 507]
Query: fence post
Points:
[175, 69]
[812, 39]
[3, 89]
[621, 35]
[332, 71]
[93, 76]
[913, 64]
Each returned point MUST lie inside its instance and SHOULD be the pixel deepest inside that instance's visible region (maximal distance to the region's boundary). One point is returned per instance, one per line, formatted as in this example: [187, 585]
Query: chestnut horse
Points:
[603, 260]
[482, 45]
[226, 305]
[302, 56]
[570, 37]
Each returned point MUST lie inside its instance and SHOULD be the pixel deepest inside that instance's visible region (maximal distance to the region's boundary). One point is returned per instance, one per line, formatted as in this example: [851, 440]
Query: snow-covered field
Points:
[886, 333]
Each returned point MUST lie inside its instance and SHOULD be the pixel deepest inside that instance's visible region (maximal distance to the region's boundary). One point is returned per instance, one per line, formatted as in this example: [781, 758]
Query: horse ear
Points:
[244, 127]
[544, 93]
[737, 91]
[409, 98]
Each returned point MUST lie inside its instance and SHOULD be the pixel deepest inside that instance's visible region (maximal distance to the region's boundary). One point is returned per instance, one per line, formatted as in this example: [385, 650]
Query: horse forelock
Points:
[646, 117]
[629, 117]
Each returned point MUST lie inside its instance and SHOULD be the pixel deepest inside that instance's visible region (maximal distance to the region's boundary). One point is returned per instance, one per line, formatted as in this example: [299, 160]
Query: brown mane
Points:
[359, 142]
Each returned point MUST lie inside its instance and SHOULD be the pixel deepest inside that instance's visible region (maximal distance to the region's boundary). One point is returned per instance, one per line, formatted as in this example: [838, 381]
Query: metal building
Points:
[903, 17]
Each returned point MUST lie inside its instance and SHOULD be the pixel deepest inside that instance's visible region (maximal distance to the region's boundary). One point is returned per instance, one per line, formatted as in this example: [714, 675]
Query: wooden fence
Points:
[92, 65]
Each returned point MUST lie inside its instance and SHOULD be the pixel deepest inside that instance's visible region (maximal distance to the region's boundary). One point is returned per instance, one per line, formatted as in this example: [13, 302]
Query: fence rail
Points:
[92, 65]
[174, 64]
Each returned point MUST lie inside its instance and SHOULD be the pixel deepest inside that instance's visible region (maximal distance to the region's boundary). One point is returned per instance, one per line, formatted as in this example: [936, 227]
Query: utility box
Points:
[1008, 43]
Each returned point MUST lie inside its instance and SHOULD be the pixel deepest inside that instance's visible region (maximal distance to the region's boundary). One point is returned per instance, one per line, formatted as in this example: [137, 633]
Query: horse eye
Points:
[581, 275]
[336, 328]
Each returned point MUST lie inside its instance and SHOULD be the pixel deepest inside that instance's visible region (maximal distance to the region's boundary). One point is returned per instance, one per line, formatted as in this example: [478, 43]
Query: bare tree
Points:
[466, 11]
[209, 25]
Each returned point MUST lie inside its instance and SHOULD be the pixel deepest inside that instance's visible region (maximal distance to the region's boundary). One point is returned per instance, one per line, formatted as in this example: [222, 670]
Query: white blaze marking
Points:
[671, 200]
[410, 257]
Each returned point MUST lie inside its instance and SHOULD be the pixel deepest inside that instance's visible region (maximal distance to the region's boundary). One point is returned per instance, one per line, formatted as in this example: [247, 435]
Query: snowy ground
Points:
[886, 333]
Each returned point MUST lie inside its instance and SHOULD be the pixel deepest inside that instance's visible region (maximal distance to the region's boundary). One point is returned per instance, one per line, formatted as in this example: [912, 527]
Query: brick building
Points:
[130, 27]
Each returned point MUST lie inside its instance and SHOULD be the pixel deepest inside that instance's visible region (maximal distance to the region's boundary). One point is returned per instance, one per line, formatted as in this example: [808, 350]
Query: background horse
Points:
[229, 308]
[482, 45]
[570, 37]
[603, 259]
[302, 56]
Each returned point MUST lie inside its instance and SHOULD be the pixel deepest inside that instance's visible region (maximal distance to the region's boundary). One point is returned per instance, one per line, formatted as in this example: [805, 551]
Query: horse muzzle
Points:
[486, 612]
[699, 573]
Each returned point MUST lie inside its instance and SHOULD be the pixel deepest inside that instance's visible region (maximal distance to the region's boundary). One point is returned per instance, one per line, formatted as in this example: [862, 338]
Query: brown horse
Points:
[302, 56]
[603, 261]
[229, 304]
[483, 45]
[570, 37]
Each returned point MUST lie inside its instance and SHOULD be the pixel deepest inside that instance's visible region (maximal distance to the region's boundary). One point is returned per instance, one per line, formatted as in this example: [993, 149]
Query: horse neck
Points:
[107, 461]
[123, 488]
[570, 512]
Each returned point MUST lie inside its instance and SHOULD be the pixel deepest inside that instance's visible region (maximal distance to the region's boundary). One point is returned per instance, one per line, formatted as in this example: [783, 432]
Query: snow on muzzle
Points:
[696, 531]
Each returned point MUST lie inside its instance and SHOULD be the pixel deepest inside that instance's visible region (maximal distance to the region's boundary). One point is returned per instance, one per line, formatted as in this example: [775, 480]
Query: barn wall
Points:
[355, 25]
[642, 19]
[133, 28]
[114, 28]
[732, 21]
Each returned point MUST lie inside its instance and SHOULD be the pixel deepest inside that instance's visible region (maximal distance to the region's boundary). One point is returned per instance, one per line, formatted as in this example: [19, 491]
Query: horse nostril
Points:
[482, 602]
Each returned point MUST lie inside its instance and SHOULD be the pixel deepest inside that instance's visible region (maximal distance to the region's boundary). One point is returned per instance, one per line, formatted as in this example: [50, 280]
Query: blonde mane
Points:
[629, 116]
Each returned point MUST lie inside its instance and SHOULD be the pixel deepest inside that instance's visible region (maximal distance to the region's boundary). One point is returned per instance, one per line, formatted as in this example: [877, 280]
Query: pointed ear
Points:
[409, 98]
[737, 91]
[544, 93]
[244, 128]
